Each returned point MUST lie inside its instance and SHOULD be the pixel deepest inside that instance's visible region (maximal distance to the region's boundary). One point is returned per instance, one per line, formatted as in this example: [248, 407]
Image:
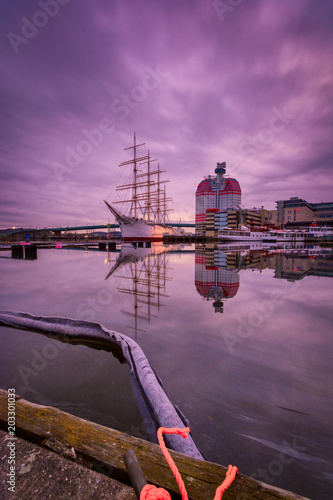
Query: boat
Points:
[285, 235]
[147, 215]
[308, 233]
[311, 232]
[245, 234]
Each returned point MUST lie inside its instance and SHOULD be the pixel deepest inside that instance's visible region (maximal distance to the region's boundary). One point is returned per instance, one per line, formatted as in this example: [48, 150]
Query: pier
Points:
[58, 452]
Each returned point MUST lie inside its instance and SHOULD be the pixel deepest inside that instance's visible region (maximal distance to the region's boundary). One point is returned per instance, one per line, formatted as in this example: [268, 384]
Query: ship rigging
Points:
[147, 219]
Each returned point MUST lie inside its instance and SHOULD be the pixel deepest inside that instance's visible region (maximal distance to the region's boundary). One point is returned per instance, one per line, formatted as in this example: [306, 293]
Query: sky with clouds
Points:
[248, 82]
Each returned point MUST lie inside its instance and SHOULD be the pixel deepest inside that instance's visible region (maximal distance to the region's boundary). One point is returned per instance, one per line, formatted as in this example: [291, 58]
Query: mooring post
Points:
[17, 252]
[31, 252]
[134, 470]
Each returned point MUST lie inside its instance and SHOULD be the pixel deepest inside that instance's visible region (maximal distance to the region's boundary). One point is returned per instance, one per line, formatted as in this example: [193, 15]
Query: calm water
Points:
[242, 341]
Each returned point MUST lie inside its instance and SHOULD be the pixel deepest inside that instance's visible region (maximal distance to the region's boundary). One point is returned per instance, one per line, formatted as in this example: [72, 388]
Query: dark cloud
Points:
[223, 79]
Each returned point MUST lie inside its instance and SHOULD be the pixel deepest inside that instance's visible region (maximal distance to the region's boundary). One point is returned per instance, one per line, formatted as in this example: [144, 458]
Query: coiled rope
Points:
[151, 492]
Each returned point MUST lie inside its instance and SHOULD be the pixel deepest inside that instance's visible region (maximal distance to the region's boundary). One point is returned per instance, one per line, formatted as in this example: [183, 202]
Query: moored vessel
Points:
[147, 215]
[311, 232]
[245, 234]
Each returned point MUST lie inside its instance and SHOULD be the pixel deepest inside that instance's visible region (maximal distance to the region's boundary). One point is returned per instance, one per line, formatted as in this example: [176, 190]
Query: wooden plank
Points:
[101, 444]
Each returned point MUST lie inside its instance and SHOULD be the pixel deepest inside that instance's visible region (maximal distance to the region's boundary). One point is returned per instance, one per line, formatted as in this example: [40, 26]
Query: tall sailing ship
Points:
[147, 215]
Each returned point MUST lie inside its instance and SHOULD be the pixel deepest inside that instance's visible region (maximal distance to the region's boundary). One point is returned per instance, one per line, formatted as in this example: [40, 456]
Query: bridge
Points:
[81, 228]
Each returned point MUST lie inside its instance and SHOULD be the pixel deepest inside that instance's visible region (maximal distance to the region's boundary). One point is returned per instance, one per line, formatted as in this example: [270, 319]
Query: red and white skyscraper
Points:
[216, 195]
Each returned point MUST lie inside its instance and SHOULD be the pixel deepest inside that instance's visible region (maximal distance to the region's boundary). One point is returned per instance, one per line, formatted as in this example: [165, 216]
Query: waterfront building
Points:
[272, 218]
[294, 210]
[215, 196]
[218, 205]
[323, 212]
[255, 217]
[297, 211]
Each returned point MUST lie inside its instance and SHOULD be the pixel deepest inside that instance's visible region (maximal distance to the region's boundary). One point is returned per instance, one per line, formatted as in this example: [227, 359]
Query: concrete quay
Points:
[44, 474]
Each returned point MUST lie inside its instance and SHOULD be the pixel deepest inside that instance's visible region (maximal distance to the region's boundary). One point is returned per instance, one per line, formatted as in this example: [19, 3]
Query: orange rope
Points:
[230, 476]
[150, 492]
[172, 465]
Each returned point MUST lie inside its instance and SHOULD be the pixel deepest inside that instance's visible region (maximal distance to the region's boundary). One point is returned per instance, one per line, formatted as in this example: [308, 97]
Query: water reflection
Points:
[217, 268]
[142, 275]
[142, 272]
[216, 277]
[296, 264]
[245, 402]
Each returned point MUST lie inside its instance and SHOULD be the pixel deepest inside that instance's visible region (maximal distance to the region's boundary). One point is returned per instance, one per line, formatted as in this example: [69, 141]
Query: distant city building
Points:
[218, 205]
[255, 217]
[323, 212]
[272, 218]
[298, 211]
[215, 196]
[294, 210]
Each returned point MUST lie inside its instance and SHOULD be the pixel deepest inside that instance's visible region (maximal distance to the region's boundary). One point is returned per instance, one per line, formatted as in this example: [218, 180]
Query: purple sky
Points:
[248, 82]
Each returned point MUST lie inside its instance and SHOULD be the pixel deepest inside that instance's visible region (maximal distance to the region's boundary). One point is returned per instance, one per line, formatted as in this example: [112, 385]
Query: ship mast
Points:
[165, 209]
[135, 170]
[147, 195]
[158, 196]
[133, 162]
[148, 177]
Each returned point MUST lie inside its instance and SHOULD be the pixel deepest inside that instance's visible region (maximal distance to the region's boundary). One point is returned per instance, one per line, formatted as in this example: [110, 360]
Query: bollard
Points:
[134, 470]
[31, 252]
[17, 252]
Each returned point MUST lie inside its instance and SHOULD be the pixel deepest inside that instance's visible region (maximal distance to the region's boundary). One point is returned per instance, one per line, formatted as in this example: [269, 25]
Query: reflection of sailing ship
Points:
[147, 216]
[144, 270]
[215, 280]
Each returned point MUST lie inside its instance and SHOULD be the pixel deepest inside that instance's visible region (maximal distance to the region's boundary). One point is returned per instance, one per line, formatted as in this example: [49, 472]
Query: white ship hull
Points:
[251, 236]
[311, 232]
[139, 230]
[284, 236]
[280, 236]
[133, 229]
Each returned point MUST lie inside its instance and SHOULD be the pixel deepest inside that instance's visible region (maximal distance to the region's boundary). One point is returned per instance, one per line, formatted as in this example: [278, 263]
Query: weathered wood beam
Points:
[107, 446]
